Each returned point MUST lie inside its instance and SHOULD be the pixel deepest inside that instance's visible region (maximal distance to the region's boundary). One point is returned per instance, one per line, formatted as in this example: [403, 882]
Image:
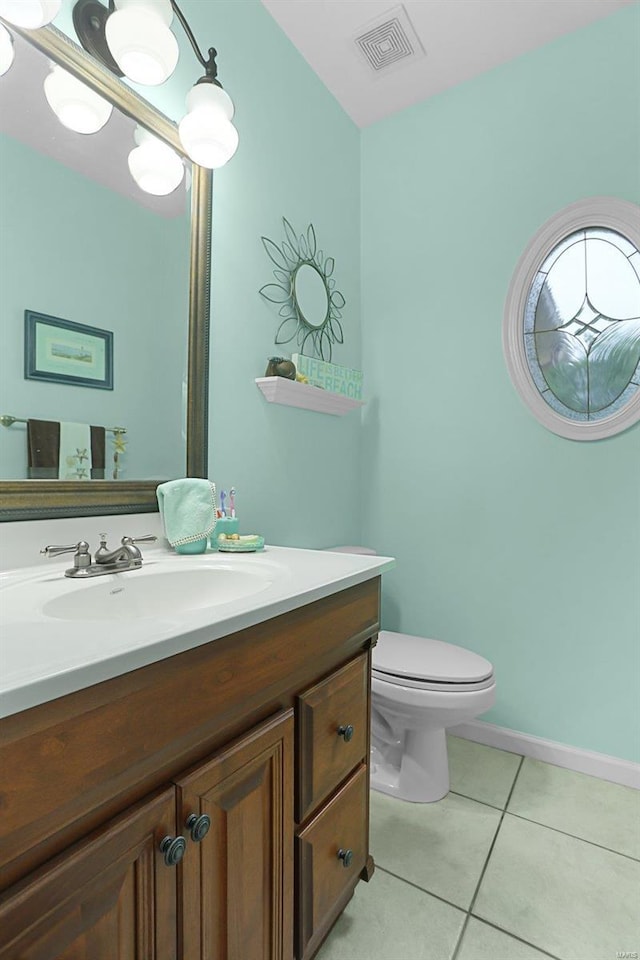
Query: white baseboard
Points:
[572, 758]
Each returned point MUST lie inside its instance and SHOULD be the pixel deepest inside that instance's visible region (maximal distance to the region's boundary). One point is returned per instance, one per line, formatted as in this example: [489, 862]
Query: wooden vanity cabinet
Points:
[244, 731]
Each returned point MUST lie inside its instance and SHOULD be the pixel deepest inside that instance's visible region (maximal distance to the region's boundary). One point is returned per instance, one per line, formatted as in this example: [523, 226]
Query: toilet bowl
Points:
[419, 687]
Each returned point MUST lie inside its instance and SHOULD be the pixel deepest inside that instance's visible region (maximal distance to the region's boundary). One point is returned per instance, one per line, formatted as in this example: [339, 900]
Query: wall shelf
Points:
[294, 394]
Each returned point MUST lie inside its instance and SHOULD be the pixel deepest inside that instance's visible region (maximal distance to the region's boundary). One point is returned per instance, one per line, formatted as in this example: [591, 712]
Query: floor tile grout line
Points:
[456, 949]
[514, 936]
[539, 823]
[415, 886]
[515, 780]
[485, 803]
[495, 837]
[574, 836]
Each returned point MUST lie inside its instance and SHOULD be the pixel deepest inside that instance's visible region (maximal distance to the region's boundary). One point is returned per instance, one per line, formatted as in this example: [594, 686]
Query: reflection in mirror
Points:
[86, 245]
[311, 294]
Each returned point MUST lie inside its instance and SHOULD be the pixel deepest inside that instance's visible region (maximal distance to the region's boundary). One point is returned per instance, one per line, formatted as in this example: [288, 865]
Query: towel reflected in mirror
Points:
[65, 451]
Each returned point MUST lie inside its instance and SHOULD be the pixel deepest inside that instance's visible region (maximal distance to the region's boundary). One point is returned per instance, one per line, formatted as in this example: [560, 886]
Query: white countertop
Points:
[42, 657]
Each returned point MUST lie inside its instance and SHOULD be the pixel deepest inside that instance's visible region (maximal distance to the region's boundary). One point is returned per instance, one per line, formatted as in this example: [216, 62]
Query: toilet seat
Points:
[419, 662]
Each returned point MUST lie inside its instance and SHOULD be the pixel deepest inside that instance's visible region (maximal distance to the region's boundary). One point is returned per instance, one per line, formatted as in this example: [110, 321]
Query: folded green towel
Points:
[188, 509]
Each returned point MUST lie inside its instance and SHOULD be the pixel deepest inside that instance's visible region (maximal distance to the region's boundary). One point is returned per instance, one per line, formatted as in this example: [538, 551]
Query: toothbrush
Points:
[223, 497]
[232, 501]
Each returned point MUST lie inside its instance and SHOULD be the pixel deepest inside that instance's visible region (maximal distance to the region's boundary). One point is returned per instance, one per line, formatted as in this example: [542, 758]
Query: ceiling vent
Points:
[389, 39]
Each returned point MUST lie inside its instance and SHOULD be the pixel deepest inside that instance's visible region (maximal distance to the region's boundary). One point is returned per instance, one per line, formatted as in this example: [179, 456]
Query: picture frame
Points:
[61, 351]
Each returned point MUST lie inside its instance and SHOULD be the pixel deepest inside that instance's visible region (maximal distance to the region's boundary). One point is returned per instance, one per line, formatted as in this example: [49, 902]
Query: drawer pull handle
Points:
[346, 856]
[173, 849]
[346, 732]
[199, 826]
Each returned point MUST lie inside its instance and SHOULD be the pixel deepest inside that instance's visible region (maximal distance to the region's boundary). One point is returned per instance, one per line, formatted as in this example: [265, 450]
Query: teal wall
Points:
[510, 540]
[297, 472]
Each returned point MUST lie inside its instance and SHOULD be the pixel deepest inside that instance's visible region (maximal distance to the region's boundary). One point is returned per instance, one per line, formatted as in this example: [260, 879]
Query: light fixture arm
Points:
[89, 20]
[210, 66]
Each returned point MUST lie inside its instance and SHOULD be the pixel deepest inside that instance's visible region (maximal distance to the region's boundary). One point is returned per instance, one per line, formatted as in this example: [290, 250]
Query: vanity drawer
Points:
[325, 880]
[332, 733]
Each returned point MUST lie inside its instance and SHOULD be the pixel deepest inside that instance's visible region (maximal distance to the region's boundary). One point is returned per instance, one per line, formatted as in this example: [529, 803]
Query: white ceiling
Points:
[460, 39]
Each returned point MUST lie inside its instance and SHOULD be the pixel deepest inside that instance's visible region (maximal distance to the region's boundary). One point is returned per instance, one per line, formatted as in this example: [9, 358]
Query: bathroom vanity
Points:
[213, 803]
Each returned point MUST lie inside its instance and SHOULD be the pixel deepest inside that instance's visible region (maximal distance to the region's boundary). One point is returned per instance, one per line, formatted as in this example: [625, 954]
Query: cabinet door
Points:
[237, 882]
[110, 897]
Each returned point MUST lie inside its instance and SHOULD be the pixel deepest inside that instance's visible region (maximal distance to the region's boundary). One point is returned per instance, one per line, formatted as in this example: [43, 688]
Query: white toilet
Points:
[419, 688]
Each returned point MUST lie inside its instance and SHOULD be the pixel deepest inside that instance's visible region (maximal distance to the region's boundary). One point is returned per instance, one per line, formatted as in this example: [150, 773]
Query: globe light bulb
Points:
[140, 40]
[155, 167]
[7, 52]
[206, 131]
[29, 14]
[76, 106]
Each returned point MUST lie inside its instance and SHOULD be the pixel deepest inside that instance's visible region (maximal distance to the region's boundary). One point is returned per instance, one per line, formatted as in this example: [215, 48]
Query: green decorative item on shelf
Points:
[306, 292]
[329, 376]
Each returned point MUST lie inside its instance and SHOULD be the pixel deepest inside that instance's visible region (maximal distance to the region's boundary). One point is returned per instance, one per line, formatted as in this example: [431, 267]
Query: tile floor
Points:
[521, 861]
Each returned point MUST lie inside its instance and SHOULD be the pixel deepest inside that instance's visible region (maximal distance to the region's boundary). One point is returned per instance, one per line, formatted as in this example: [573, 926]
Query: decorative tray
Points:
[246, 544]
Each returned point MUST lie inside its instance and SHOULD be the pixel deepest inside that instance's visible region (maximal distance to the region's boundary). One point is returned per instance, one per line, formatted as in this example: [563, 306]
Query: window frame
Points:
[592, 212]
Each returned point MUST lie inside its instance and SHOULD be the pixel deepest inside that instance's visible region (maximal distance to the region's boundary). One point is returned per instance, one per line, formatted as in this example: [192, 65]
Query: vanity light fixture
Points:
[76, 106]
[29, 14]
[132, 38]
[6, 50]
[154, 166]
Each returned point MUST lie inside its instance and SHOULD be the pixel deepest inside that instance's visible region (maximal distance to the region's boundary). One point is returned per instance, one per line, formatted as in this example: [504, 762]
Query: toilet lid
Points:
[418, 658]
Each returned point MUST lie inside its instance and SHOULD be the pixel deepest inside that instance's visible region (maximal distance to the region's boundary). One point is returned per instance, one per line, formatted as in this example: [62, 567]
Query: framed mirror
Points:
[125, 272]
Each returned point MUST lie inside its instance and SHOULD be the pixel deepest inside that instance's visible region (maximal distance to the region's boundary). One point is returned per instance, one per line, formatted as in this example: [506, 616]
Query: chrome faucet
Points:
[125, 557]
[127, 552]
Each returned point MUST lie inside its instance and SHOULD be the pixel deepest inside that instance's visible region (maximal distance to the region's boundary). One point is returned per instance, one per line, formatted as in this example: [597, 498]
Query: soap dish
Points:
[243, 545]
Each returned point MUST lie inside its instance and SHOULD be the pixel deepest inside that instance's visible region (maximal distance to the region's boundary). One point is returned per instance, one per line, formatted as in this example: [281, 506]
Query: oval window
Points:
[572, 320]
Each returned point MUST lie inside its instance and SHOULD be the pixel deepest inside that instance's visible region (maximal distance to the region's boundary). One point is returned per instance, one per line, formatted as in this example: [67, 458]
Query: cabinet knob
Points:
[173, 849]
[199, 826]
[346, 732]
[346, 856]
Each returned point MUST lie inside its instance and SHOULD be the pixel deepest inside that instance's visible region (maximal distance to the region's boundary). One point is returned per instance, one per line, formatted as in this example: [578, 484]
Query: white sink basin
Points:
[159, 594]
[157, 591]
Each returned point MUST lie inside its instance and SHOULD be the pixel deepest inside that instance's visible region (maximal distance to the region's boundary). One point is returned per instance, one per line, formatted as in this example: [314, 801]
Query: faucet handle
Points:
[129, 544]
[54, 550]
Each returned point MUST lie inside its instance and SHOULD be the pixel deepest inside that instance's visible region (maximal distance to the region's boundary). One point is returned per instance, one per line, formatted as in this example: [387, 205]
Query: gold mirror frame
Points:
[46, 499]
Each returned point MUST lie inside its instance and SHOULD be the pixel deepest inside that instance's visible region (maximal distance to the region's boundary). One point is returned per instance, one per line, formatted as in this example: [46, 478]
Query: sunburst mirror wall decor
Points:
[306, 293]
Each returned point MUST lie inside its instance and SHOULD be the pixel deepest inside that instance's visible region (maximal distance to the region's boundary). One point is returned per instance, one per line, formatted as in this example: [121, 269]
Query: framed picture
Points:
[64, 352]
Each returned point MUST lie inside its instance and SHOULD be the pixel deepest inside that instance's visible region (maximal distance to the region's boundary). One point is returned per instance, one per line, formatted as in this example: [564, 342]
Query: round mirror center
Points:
[311, 295]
